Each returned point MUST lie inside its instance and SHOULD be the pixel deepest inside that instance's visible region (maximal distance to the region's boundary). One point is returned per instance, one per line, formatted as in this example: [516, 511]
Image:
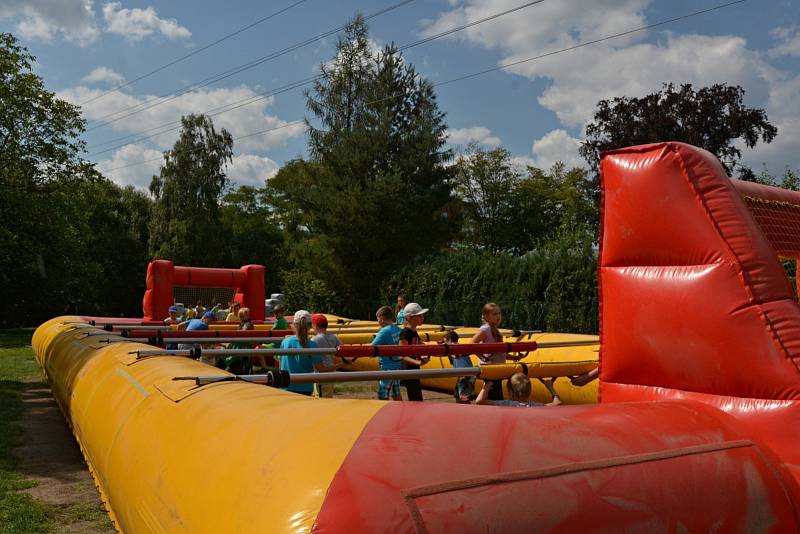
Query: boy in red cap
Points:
[324, 339]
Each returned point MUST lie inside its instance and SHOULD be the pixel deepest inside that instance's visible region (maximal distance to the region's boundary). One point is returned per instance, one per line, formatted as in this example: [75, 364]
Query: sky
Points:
[536, 109]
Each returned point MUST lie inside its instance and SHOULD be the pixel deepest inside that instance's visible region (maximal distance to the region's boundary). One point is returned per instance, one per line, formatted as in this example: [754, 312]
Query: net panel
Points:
[780, 223]
[209, 296]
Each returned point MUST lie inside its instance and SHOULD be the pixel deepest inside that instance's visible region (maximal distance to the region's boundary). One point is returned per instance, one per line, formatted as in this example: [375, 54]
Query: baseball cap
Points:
[412, 308]
[173, 309]
[319, 320]
[302, 315]
[209, 315]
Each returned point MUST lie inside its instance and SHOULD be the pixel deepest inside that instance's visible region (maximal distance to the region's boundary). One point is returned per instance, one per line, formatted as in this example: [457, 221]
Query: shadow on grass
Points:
[15, 337]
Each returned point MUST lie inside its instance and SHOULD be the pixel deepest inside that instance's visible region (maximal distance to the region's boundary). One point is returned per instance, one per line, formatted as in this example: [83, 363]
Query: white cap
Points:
[302, 315]
[412, 309]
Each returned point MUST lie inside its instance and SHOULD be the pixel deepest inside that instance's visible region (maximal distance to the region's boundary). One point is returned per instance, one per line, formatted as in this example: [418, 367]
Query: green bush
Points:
[552, 288]
[302, 291]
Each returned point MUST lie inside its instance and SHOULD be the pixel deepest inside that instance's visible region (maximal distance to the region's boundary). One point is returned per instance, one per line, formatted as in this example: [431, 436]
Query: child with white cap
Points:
[414, 316]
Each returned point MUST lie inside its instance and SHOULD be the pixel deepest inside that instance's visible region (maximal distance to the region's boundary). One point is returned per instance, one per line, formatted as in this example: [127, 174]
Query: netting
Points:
[780, 223]
[209, 296]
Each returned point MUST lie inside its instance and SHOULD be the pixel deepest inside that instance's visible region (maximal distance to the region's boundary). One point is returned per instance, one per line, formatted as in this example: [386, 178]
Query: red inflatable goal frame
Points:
[163, 276]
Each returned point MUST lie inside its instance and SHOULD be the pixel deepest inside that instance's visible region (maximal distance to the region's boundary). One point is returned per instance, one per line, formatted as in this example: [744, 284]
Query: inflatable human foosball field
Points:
[695, 428]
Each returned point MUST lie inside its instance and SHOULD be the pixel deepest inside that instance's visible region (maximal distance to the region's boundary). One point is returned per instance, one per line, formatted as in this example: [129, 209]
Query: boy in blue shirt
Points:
[389, 334]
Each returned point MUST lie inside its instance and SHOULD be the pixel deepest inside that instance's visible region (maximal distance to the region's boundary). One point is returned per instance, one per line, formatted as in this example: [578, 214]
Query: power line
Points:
[235, 70]
[300, 83]
[194, 52]
[501, 67]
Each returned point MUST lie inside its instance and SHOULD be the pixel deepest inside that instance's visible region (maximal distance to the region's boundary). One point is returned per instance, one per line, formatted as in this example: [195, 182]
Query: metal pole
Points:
[355, 376]
[558, 344]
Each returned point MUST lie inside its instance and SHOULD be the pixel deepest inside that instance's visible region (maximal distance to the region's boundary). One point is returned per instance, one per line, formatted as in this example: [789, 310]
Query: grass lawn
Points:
[19, 512]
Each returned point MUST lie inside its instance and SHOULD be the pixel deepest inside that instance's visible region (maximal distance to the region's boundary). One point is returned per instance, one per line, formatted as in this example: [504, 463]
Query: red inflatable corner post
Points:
[163, 276]
[694, 301]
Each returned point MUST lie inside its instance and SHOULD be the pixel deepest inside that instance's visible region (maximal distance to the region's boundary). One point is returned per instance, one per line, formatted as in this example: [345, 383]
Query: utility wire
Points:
[194, 52]
[500, 67]
[300, 83]
[235, 70]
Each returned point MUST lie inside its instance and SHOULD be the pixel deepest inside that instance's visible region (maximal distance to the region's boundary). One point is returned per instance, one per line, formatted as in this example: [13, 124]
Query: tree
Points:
[185, 225]
[712, 118]
[486, 182]
[39, 133]
[253, 237]
[375, 191]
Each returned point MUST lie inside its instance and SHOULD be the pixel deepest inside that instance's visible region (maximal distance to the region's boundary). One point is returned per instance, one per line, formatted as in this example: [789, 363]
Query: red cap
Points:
[319, 320]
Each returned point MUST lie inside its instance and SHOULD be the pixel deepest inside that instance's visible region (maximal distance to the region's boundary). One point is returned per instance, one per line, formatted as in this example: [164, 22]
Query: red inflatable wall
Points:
[694, 302]
[163, 276]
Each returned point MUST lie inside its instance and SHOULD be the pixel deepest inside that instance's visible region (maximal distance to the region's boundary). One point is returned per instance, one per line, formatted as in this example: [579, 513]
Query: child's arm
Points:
[411, 361]
[585, 378]
[551, 388]
[483, 396]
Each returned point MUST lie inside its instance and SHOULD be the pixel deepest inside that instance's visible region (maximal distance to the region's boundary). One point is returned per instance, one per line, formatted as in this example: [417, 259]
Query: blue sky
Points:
[537, 110]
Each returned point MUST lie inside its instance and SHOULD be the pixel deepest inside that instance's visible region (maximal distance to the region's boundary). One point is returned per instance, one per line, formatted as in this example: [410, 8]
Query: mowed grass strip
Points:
[19, 512]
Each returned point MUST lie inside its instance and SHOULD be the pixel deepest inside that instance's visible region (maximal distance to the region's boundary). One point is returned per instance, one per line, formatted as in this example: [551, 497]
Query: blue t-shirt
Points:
[299, 363]
[196, 324]
[401, 317]
[509, 402]
[388, 335]
[459, 362]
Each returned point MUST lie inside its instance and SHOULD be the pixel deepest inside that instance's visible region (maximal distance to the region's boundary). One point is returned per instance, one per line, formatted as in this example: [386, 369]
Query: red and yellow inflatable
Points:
[696, 429]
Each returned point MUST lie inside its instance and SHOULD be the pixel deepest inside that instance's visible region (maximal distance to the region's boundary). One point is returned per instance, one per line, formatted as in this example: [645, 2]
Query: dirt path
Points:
[50, 456]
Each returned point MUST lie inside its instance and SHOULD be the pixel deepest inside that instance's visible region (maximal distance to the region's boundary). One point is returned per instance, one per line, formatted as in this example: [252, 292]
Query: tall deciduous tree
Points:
[713, 118]
[375, 191]
[486, 183]
[185, 226]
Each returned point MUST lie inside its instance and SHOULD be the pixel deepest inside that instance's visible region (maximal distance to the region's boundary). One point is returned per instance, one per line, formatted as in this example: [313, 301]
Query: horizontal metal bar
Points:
[353, 376]
[558, 344]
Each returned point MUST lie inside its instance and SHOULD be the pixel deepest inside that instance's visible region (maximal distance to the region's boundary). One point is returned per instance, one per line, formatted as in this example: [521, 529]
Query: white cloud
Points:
[42, 20]
[557, 145]
[125, 166]
[241, 121]
[135, 165]
[249, 169]
[632, 66]
[136, 24]
[789, 42]
[475, 134]
[103, 74]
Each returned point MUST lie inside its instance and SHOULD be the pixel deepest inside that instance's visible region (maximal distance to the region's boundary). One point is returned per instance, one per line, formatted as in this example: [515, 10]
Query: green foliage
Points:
[250, 234]
[185, 223]
[507, 210]
[553, 287]
[68, 234]
[710, 117]
[302, 291]
[376, 176]
[39, 134]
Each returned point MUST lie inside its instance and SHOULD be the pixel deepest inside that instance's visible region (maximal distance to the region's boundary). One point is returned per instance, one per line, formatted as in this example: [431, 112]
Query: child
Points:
[414, 315]
[280, 321]
[302, 363]
[519, 389]
[465, 386]
[389, 334]
[233, 316]
[324, 340]
[240, 365]
[173, 316]
[398, 309]
[492, 318]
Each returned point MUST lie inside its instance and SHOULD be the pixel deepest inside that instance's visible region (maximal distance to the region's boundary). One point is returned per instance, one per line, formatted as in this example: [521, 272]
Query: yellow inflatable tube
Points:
[261, 455]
